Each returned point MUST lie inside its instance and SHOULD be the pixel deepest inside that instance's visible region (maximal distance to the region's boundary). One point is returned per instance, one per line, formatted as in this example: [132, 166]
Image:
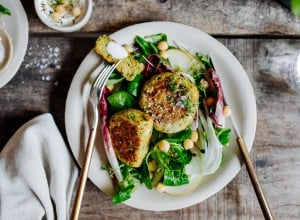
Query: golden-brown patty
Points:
[171, 100]
[131, 130]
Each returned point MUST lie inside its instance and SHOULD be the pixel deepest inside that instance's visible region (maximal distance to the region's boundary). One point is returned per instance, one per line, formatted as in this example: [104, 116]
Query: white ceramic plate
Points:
[235, 81]
[16, 26]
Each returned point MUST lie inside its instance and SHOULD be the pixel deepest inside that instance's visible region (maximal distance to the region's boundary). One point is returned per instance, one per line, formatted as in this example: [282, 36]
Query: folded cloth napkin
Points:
[37, 173]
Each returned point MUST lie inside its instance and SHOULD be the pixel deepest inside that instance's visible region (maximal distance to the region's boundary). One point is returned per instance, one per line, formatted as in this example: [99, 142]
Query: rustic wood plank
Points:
[231, 17]
[41, 83]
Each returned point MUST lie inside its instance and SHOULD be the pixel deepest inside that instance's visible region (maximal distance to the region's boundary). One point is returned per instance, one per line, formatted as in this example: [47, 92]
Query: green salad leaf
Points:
[179, 136]
[205, 59]
[114, 78]
[174, 175]
[4, 10]
[295, 7]
[156, 38]
[127, 186]
[223, 134]
[121, 100]
[135, 85]
[171, 164]
[133, 177]
[145, 46]
[148, 44]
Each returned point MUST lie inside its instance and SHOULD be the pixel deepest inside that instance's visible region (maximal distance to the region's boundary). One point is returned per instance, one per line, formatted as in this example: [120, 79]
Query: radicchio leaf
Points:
[218, 116]
[155, 65]
[110, 153]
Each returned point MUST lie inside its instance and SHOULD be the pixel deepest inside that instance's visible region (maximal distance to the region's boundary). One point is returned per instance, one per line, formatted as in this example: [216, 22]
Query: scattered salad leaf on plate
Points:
[4, 10]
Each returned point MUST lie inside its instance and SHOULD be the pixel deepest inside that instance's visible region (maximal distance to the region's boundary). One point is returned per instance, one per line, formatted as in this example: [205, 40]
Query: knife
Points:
[244, 152]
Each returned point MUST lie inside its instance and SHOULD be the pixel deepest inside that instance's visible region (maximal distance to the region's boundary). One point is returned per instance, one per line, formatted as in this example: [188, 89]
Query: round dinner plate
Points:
[240, 96]
[16, 25]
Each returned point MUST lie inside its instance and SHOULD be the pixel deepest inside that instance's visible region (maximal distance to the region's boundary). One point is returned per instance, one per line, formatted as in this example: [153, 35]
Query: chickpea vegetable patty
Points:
[131, 130]
[171, 100]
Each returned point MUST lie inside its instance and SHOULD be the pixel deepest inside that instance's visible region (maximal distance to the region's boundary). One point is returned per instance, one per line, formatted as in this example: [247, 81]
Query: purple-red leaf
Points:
[218, 116]
[110, 152]
[155, 65]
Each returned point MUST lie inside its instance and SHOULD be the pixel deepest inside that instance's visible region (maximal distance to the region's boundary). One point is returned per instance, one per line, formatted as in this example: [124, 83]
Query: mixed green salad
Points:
[177, 161]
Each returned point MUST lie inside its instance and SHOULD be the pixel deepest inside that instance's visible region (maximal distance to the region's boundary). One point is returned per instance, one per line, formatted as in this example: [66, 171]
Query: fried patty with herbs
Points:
[171, 100]
[131, 130]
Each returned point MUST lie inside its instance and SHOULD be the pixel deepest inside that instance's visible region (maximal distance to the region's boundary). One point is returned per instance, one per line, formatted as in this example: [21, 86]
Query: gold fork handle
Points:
[255, 181]
[84, 173]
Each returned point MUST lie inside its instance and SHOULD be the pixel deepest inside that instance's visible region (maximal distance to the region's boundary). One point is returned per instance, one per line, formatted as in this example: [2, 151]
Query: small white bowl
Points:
[67, 23]
[6, 50]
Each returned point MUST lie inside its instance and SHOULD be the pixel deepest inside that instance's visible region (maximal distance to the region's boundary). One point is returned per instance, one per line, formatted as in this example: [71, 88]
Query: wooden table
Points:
[263, 36]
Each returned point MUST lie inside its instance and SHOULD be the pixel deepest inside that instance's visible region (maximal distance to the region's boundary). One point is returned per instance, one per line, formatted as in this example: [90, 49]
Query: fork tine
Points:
[103, 75]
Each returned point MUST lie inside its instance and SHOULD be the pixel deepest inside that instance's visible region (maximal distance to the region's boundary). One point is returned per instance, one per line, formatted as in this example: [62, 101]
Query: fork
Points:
[94, 98]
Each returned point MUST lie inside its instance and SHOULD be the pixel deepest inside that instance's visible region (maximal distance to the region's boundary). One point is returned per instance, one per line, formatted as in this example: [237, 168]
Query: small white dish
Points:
[64, 21]
[6, 50]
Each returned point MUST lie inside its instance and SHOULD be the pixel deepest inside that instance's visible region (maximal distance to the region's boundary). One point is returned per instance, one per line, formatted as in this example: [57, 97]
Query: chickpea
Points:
[152, 165]
[76, 11]
[55, 16]
[226, 111]
[164, 145]
[164, 54]
[204, 83]
[163, 45]
[160, 187]
[194, 136]
[188, 144]
[60, 9]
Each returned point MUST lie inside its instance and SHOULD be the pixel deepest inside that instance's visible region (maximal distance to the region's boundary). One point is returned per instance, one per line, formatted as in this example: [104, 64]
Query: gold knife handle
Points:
[254, 179]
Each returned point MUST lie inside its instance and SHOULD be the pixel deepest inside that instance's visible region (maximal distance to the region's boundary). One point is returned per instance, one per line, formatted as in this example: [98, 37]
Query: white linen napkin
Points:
[37, 173]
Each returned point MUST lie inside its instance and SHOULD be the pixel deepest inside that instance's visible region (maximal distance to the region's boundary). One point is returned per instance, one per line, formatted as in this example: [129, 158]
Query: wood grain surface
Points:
[231, 17]
[249, 29]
